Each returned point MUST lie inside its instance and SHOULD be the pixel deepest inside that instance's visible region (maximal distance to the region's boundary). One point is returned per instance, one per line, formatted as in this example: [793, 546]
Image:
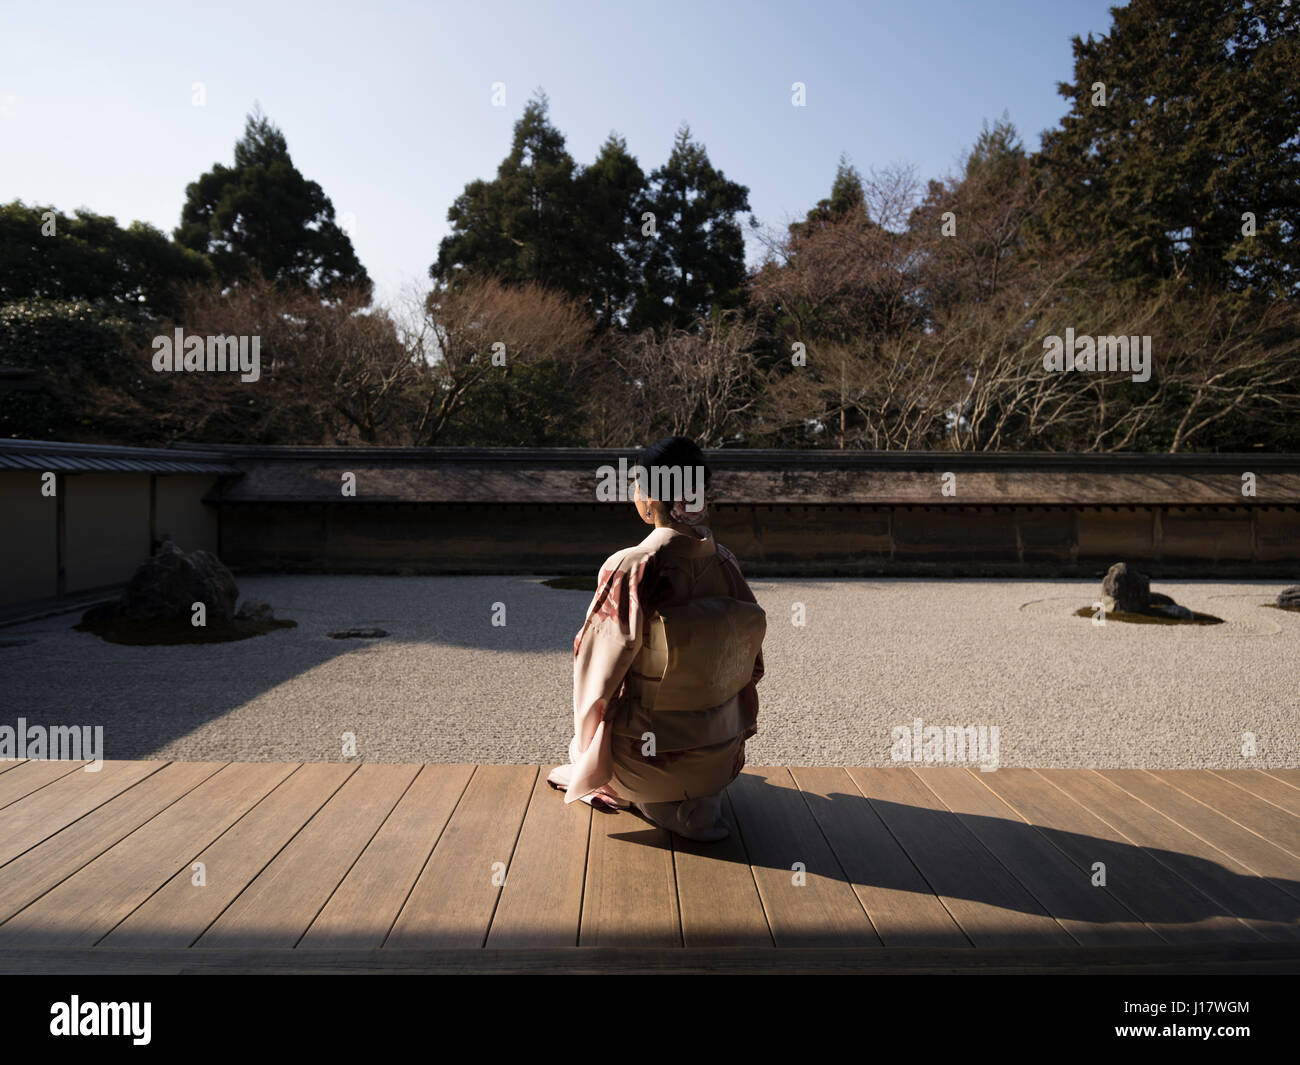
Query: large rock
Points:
[1130, 590]
[1289, 598]
[168, 585]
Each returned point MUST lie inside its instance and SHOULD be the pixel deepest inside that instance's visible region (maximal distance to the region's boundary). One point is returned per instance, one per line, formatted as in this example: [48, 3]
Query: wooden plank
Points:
[902, 906]
[177, 914]
[32, 775]
[86, 906]
[630, 897]
[1236, 891]
[806, 895]
[1263, 818]
[40, 814]
[1258, 855]
[453, 901]
[541, 899]
[36, 871]
[990, 905]
[1171, 906]
[1263, 786]
[1287, 776]
[7, 764]
[361, 912]
[716, 891]
[285, 897]
[1092, 915]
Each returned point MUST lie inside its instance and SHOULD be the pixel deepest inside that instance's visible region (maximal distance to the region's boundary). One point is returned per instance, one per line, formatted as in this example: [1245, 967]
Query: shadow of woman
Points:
[980, 866]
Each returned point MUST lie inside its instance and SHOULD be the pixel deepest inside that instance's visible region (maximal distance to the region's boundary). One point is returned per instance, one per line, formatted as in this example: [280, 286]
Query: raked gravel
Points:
[448, 686]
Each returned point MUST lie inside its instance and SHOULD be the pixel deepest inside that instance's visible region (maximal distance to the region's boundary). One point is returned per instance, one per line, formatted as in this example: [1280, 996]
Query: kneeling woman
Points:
[665, 666]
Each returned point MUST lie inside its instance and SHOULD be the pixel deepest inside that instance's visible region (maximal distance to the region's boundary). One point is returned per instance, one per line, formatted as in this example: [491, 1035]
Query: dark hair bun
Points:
[679, 451]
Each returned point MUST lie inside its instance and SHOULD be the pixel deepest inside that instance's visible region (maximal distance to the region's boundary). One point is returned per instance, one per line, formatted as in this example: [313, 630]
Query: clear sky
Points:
[388, 105]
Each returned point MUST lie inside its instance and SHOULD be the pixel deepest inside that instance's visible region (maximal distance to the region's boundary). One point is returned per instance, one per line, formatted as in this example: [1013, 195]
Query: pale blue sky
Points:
[388, 105]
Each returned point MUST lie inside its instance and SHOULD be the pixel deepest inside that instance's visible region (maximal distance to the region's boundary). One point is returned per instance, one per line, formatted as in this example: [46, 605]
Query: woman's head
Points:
[672, 481]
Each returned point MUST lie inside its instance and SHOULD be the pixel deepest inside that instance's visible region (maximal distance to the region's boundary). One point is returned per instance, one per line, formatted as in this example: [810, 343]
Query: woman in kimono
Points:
[665, 666]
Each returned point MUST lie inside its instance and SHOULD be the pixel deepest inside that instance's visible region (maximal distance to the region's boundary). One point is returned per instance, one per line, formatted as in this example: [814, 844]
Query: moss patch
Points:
[1151, 618]
[572, 584]
[153, 633]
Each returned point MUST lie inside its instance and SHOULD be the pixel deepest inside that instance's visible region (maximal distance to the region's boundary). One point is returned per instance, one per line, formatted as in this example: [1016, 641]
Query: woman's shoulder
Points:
[658, 541]
[628, 559]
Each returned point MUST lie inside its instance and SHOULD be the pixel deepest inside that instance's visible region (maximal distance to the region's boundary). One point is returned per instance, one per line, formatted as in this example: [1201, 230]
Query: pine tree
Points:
[1182, 124]
[847, 197]
[611, 192]
[520, 226]
[262, 216]
[695, 265]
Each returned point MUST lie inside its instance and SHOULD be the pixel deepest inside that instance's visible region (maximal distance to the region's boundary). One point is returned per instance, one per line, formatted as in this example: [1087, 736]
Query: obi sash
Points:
[695, 658]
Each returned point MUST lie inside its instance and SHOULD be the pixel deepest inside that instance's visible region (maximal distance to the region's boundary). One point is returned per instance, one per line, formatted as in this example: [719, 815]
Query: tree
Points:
[543, 219]
[847, 197]
[699, 382]
[331, 373]
[71, 351]
[583, 231]
[695, 266]
[1183, 123]
[840, 273]
[45, 254]
[979, 231]
[520, 226]
[540, 340]
[77, 296]
[611, 192]
[839, 284]
[263, 216]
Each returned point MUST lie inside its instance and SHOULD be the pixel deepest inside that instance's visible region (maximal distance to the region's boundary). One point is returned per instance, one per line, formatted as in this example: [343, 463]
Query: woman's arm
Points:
[603, 651]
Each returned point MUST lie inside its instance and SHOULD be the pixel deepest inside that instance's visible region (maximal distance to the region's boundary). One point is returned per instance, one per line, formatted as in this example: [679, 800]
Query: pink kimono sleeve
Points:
[602, 652]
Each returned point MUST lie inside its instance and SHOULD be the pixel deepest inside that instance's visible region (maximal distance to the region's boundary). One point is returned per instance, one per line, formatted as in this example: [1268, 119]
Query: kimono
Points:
[671, 586]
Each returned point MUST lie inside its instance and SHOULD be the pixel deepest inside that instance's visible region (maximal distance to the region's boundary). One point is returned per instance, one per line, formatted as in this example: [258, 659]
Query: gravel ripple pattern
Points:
[449, 686]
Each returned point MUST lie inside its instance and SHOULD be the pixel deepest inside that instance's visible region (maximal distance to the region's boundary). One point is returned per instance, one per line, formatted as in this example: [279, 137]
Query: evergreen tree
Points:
[262, 216]
[847, 197]
[1182, 122]
[45, 254]
[997, 149]
[73, 351]
[520, 226]
[695, 265]
[611, 192]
